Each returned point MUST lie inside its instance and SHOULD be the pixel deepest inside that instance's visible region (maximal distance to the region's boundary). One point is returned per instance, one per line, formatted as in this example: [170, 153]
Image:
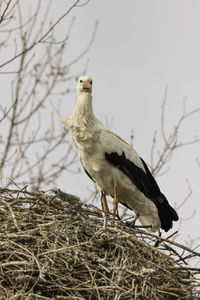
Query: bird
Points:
[115, 166]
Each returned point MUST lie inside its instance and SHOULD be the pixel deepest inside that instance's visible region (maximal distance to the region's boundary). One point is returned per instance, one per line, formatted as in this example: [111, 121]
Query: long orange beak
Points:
[86, 85]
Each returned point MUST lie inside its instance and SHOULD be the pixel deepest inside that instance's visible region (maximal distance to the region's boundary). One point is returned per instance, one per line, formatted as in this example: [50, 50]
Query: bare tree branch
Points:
[34, 147]
[42, 38]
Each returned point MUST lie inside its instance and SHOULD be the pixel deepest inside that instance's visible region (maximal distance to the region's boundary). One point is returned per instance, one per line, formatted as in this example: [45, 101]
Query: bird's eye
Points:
[81, 81]
[91, 82]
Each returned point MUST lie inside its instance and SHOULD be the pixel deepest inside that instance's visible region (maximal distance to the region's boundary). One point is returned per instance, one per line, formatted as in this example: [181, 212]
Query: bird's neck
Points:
[83, 113]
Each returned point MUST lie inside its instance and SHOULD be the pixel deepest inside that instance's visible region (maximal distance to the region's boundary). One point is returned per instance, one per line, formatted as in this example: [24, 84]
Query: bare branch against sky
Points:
[34, 147]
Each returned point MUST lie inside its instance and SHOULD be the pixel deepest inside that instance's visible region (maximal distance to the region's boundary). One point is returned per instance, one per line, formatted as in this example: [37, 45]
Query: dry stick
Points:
[185, 268]
[14, 263]
[12, 214]
[63, 249]
[171, 242]
[93, 280]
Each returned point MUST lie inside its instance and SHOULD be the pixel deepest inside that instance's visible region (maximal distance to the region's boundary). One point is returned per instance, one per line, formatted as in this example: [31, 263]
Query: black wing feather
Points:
[146, 183]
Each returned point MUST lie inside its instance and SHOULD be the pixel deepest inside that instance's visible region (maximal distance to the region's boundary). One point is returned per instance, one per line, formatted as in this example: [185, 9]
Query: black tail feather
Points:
[166, 213]
[147, 184]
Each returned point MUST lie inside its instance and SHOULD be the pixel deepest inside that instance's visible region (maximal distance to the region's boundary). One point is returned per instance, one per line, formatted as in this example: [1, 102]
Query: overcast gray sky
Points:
[140, 48]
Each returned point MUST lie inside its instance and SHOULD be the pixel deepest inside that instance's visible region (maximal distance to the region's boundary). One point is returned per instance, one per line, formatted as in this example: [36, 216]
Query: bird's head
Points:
[84, 85]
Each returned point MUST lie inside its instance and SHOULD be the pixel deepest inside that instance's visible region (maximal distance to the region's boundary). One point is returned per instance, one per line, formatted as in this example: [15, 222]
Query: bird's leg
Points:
[104, 202]
[115, 201]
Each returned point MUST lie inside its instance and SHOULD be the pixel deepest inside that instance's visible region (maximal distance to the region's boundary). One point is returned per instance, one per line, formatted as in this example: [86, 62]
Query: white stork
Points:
[114, 166]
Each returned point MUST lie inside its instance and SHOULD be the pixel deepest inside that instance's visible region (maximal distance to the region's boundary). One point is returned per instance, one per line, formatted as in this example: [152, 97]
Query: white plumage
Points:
[114, 166]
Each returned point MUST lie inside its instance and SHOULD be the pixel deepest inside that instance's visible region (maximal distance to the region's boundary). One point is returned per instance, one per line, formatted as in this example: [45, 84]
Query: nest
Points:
[54, 247]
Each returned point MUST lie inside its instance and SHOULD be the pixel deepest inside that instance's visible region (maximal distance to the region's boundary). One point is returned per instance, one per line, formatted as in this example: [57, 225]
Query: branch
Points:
[41, 39]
